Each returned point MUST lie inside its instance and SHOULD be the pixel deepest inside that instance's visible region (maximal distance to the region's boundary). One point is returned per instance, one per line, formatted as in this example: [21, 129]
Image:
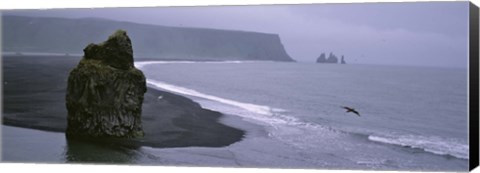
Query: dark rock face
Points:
[343, 60]
[322, 58]
[105, 91]
[332, 58]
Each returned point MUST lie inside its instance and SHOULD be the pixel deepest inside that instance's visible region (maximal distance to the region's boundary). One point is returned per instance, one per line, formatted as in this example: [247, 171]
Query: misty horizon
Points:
[414, 34]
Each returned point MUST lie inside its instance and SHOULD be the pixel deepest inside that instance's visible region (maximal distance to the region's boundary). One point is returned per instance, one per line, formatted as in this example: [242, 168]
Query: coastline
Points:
[265, 144]
[34, 93]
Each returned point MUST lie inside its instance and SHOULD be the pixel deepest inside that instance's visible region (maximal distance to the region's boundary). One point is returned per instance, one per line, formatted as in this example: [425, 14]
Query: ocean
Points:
[411, 118]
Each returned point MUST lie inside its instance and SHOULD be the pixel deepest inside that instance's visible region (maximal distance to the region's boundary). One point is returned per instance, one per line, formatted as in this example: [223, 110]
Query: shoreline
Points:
[263, 144]
[34, 93]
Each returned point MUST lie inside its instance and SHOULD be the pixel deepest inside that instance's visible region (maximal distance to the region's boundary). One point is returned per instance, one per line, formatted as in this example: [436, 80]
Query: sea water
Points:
[405, 109]
[411, 118]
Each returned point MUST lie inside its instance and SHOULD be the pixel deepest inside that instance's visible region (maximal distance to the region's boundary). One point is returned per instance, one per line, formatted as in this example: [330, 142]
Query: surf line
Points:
[265, 114]
[140, 64]
[259, 109]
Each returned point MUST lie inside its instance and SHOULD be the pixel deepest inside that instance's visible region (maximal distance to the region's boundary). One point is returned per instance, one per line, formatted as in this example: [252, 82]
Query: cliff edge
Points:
[21, 34]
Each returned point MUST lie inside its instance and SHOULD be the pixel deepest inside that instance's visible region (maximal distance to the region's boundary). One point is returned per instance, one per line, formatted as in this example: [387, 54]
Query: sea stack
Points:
[332, 59]
[105, 92]
[322, 58]
[343, 60]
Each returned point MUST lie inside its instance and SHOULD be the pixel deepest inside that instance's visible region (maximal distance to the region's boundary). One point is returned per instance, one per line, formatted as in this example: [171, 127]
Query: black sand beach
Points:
[34, 97]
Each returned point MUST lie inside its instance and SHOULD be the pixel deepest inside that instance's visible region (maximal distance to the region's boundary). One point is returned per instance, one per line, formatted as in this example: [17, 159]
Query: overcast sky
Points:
[422, 33]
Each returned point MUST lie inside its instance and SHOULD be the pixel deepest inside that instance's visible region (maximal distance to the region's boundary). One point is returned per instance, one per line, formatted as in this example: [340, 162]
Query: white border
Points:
[49, 4]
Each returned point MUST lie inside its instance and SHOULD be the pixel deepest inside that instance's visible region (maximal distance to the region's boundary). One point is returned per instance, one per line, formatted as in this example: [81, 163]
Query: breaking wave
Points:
[141, 64]
[436, 145]
[259, 109]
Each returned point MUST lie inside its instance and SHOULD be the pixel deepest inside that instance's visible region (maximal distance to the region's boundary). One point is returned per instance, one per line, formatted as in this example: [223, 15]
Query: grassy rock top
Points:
[105, 92]
[116, 52]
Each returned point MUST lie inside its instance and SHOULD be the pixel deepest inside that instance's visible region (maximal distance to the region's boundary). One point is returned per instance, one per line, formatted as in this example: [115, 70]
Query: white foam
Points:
[143, 63]
[274, 117]
[261, 113]
[258, 109]
[432, 144]
[284, 127]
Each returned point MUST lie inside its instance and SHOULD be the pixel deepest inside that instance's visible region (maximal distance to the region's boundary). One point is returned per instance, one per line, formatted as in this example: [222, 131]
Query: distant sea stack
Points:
[343, 60]
[332, 59]
[61, 35]
[105, 91]
[322, 58]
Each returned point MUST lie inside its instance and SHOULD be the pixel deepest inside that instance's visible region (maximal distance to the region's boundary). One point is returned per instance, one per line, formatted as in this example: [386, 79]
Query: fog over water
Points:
[420, 34]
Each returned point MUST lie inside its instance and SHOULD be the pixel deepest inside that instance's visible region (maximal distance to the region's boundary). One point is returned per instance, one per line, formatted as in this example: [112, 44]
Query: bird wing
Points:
[347, 108]
[350, 110]
[354, 111]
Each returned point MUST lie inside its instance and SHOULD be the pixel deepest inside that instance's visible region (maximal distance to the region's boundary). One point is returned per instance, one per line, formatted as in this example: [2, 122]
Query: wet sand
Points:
[34, 97]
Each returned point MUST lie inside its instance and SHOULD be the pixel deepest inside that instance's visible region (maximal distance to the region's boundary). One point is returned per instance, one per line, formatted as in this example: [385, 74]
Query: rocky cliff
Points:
[59, 35]
[105, 91]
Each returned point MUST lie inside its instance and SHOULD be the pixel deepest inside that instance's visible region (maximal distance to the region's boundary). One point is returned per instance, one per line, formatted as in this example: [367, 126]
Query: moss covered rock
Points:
[105, 91]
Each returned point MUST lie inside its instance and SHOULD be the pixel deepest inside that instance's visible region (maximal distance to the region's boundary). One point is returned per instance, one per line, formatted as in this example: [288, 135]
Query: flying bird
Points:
[351, 110]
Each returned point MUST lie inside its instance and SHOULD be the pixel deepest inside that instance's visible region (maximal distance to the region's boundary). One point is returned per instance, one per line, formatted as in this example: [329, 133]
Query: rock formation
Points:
[105, 91]
[332, 58]
[322, 58]
[343, 60]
